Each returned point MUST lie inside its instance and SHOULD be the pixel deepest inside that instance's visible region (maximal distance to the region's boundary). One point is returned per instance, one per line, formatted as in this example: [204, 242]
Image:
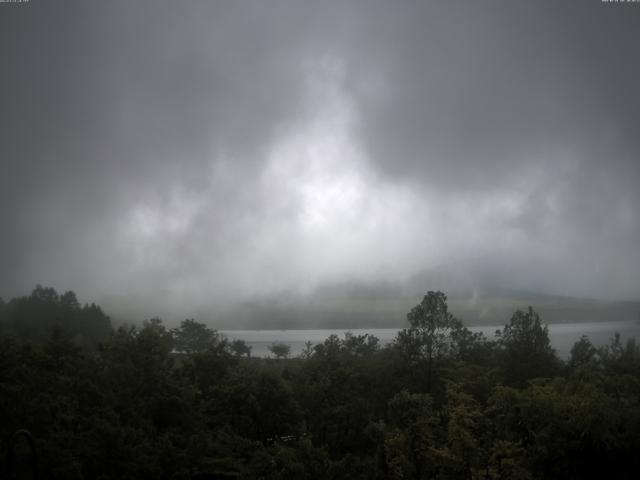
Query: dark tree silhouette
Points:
[240, 348]
[193, 336]
[582, 352]
[526, 349]
[432, 333]
[280, 349]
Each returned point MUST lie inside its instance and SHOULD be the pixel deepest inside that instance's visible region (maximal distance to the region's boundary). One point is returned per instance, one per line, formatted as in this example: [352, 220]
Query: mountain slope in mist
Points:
[354, 305]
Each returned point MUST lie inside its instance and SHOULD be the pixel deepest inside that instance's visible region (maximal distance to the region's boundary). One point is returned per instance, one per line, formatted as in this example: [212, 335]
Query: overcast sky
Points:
[192, 152]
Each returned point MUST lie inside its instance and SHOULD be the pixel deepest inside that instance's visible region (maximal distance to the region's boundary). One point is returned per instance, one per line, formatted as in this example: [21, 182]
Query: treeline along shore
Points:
[438, 402]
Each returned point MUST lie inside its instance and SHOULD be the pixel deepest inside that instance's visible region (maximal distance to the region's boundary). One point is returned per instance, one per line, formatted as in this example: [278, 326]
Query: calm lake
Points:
[562, 335]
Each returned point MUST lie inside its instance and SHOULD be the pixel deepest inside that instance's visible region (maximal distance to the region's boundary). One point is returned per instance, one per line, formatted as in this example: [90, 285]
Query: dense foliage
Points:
[439, 402]
[34, 317]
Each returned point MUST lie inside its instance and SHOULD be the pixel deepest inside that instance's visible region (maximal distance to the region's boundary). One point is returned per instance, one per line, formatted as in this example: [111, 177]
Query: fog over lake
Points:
[562, 336]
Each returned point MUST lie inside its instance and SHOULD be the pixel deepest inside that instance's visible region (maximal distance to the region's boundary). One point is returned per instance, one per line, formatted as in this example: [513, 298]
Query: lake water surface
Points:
[562, 335]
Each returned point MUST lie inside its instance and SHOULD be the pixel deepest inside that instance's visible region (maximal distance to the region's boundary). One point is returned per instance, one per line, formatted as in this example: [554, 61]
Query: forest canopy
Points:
[185, 403]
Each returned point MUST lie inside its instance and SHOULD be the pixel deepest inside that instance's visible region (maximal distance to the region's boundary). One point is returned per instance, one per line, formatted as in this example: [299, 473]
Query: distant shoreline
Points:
[562, 335]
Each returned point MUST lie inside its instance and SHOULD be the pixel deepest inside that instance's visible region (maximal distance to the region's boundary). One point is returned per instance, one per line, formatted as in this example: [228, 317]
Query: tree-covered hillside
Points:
[37, 315]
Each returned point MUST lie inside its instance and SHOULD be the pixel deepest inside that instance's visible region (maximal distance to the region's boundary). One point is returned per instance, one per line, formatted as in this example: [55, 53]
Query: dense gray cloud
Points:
[189, 154]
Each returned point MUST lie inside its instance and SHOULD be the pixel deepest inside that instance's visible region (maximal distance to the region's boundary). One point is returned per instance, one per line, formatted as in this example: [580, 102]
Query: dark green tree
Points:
[35, 316]
[621, 357]
[280, 349]
[526, 351]
[240, 348]
[582, 352]
[307, 351]
[433, 334]
[193, 336]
